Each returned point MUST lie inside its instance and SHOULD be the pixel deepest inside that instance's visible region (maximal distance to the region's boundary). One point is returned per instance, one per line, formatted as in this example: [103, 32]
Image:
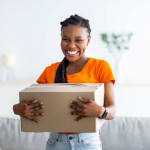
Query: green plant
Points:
[116, 44]
[116, 41]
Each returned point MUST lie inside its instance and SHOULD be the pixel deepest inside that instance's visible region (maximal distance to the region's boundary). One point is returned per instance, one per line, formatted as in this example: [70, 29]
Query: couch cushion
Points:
[122, 133]
[126, 133]
[12, 139]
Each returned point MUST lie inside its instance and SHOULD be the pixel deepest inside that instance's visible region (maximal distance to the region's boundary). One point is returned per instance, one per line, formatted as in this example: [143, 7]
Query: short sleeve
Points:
[48, 75]
[105, 72]
[42, 78]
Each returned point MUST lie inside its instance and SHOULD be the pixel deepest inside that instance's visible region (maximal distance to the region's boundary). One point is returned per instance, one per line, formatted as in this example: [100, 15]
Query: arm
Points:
[109, 99]
[109, 102]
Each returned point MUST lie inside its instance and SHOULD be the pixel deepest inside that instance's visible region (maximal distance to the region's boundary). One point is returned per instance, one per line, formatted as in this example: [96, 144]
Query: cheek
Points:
[84, 46]
[63, 45]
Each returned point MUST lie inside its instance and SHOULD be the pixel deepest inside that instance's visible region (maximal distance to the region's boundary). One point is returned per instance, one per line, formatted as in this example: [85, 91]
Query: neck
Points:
[79, 62]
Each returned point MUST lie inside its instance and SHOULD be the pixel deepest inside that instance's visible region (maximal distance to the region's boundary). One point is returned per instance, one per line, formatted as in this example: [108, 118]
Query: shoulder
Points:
[99, 62]
[48, 74]
[52, 66]
[100, 65]
[103, 70]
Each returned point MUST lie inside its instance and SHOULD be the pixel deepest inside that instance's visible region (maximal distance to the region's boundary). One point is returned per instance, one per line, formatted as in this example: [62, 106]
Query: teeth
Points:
[72, 52]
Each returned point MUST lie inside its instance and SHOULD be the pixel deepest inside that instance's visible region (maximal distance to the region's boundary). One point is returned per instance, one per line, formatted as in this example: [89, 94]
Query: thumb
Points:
[83, 100]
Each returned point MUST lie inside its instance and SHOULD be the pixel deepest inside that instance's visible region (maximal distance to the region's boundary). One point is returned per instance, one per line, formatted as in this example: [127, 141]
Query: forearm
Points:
[110, 111]
[109, 100]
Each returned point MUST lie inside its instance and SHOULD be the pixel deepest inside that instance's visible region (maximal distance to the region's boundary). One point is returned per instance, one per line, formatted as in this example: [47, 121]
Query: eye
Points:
[79, 40]
[65, 39]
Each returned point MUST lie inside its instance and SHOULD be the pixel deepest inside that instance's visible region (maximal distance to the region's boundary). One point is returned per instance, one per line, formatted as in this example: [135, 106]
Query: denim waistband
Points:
[55, 136]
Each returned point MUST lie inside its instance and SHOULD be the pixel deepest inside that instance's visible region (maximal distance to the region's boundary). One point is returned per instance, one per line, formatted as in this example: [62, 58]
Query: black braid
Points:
[61, 72]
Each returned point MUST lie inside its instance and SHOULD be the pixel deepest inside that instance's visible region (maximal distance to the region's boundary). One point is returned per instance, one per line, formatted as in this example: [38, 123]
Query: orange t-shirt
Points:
[94, 71]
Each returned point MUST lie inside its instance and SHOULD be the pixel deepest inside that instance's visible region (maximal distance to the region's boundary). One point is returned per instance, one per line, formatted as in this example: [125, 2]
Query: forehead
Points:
[74, 30]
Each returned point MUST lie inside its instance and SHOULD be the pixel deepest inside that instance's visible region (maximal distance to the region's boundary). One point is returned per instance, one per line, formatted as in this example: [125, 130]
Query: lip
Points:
[69, 52]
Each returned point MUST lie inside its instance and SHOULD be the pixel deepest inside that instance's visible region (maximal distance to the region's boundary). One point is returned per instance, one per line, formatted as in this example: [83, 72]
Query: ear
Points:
[88, 41]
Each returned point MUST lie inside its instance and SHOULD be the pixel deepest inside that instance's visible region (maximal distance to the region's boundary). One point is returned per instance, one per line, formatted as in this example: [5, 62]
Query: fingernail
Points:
[35, 101]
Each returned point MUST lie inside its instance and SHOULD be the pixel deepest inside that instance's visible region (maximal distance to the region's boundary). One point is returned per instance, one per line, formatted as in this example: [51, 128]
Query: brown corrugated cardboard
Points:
[57, 98]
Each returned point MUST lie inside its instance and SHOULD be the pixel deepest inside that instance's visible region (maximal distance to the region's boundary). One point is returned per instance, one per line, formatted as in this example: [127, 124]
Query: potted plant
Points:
[116, 45]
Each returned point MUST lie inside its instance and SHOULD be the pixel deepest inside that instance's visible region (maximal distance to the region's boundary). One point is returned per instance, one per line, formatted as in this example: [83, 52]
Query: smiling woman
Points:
[76, 68]
[74, 41]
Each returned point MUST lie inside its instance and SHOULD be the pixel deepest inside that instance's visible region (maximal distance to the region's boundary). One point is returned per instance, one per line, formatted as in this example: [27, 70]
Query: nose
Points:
[71, 45]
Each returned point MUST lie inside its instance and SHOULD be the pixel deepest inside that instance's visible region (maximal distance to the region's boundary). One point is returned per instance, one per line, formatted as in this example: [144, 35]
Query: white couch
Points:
[122, 133]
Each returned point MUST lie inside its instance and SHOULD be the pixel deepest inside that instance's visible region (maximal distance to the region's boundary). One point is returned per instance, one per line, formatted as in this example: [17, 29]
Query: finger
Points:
[26, 102]
[74, 103]
[42, 106]
[73, 106]
[31, 118]
[73, 113]
[79, 109]
[35, 101]
[77, 113]
[28, 108]
[83, 100]
[80, 104]
[35, 120]
[37, 108]
[38, 113]
[34, 105]
[29, 102]
[79, 118]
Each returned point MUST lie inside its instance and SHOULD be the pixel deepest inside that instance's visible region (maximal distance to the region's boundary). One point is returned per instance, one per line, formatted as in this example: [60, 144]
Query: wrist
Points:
[18, 109]
[104, 115]
[100, 111]
[14, 109]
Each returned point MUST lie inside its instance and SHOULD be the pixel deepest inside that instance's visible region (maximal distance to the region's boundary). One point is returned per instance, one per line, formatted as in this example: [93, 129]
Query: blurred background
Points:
[30, 41]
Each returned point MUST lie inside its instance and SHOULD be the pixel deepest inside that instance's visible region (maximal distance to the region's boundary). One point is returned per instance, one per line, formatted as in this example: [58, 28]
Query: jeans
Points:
[82, 141]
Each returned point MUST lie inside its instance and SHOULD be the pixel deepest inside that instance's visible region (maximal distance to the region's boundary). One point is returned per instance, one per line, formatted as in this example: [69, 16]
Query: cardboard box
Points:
[57, 98]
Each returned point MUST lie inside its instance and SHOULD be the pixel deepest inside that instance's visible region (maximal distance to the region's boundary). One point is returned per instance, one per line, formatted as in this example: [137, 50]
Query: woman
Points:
[75, 68]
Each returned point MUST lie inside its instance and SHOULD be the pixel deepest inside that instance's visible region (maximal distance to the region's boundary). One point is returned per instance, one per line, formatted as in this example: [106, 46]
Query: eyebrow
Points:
[68, 37]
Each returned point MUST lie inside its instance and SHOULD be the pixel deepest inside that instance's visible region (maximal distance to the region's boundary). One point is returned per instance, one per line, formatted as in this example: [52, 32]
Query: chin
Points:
[72, 59]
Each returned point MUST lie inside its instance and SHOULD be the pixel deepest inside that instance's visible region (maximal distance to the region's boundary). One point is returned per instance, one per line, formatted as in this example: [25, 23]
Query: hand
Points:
[29, 109]
[77, 108]
[85, 108]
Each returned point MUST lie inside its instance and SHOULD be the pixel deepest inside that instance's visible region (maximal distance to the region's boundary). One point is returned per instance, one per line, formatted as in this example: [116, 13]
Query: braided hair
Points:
[76, 20]
[72, 20]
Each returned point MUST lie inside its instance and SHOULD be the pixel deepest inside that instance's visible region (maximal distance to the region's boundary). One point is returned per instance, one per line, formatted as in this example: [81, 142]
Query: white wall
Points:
[30, 29]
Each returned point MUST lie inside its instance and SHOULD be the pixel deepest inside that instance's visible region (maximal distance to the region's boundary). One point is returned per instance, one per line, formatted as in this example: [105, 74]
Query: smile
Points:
[72, 52]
